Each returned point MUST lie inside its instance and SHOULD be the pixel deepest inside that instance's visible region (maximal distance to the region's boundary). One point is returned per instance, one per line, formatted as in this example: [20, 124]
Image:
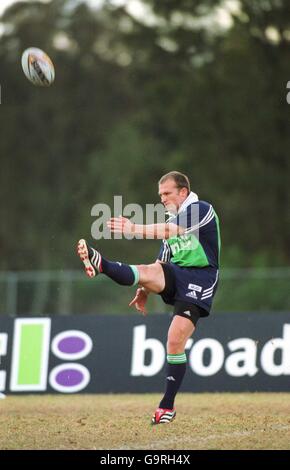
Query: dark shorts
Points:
[189, 289]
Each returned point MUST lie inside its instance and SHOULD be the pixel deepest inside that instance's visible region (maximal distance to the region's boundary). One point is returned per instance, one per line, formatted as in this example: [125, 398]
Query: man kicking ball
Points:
[185, 273]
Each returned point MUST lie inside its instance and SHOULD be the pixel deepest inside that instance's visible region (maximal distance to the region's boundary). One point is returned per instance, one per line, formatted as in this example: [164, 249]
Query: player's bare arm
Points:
[155, 231]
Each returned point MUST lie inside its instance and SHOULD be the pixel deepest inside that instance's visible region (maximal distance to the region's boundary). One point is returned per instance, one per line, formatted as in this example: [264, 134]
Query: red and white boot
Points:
[163, 416]
[90, 257]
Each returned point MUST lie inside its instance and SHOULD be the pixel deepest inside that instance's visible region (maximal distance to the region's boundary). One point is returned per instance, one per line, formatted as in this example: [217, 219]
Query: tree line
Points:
[135, 98]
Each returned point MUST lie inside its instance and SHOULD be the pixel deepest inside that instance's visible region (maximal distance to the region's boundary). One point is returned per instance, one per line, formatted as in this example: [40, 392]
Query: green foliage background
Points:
[132, 100]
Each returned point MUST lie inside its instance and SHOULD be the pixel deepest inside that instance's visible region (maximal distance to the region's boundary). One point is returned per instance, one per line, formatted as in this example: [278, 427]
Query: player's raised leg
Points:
[149, 276]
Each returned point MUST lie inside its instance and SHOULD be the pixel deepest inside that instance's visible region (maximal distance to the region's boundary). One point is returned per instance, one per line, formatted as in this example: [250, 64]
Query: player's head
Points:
[174, 187]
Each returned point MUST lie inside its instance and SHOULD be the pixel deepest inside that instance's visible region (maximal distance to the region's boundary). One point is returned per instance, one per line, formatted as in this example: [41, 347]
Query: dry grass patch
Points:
[204, 421]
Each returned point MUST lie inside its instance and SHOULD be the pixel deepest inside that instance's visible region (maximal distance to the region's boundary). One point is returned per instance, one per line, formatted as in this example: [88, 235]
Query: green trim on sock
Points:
[176, 358]
[136, 274]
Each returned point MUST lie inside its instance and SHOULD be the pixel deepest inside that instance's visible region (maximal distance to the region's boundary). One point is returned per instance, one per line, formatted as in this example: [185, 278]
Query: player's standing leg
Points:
[179, 332]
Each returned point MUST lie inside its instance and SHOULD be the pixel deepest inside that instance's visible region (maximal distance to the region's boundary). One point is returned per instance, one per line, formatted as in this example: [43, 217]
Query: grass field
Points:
[107, 422]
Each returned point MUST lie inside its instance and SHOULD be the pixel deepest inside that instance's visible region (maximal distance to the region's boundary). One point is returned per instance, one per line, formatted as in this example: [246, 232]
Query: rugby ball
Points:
[38, 67]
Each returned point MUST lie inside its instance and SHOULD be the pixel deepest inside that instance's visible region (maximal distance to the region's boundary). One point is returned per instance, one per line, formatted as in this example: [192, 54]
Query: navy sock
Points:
[176, 368]
[124, 274]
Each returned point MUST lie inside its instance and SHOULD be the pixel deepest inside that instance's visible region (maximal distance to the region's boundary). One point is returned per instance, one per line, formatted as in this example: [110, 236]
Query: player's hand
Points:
[140, 300]
[120, 225]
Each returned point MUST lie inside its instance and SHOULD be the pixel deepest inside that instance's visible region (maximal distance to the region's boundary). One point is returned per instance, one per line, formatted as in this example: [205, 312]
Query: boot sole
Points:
[83, 253]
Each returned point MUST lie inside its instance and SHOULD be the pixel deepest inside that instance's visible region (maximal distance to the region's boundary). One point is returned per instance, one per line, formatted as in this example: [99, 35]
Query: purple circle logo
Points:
[69, 378]
[71, 345]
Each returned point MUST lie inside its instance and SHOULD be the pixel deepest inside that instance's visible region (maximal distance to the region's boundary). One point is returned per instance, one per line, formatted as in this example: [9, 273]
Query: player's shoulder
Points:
[203, 206]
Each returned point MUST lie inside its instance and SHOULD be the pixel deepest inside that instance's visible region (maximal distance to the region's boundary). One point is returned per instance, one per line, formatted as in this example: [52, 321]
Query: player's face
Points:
[171, 196]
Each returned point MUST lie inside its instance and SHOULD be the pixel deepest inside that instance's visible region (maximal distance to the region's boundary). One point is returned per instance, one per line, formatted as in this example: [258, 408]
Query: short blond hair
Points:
[180, 179]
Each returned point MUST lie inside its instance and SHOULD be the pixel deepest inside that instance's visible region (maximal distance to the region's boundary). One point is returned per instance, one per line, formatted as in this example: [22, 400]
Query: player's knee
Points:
[177, 339]
[175, 344]
[147, 272]
[144, 272]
